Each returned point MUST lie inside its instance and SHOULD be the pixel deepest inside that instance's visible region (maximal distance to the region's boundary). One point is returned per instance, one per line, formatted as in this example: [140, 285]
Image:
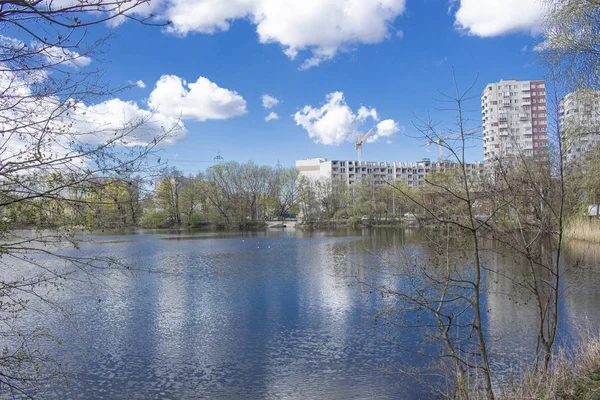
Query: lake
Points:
[266, 315]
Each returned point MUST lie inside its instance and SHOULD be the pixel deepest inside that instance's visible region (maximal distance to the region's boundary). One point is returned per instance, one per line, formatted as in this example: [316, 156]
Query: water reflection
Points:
[582, 286]
[269, 315]
[511, 312]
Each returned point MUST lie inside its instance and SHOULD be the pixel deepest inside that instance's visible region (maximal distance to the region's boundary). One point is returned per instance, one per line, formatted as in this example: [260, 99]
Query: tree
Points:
[284, 190]
[55, 145]
[168, 190]
[192, 197]
[572, 41]
[111, 203]
[247, 194]
[520, 205]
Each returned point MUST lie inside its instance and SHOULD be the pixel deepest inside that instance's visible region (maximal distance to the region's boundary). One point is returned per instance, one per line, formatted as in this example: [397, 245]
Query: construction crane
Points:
[360, 141]
[441, 140]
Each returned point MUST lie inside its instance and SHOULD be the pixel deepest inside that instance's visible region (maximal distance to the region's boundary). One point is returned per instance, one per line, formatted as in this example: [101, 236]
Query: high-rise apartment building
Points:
[514, 120]
[579, 123]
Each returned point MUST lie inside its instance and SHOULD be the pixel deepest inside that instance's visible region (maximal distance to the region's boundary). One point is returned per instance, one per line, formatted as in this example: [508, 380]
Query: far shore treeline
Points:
[245, 195]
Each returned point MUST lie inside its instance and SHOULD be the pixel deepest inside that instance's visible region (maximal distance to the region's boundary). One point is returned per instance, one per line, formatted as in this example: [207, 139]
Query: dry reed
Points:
[584, 229]
[574, 376]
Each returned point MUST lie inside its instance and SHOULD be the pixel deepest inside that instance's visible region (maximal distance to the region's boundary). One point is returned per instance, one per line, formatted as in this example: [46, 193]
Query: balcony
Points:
[523, 117]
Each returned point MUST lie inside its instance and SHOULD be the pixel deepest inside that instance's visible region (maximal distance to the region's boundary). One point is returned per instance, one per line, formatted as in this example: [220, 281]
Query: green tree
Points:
[168, 191]
[111, 203]
[572, 41]
[192, 198]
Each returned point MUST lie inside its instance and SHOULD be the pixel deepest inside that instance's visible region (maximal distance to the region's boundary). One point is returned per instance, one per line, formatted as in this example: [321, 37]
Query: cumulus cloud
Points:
[364, 113]
[322, 27]
[28, 115]
[95, 123]
[200, 100]
[487, 18]
[62, 56]
[385, 129]
[335, 122]
[50, 128]
[269, 101]
[51, 54]
[272, 115]
[140, 84]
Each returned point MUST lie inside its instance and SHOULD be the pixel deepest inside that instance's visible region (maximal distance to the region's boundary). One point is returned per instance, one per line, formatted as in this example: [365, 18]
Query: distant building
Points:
[514, 120]
[354, 172]
[579, 123]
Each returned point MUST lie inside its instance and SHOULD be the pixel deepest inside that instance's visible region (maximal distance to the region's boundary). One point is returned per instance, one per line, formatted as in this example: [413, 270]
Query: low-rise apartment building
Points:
[352, 172]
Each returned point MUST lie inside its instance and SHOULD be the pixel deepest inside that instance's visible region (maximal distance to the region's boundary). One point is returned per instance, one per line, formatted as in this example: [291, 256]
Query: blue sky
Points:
[394, 59]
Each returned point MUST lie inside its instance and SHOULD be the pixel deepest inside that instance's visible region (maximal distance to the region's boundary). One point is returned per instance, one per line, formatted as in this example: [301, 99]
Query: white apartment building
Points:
[514, 120]
[579, 123]
[351, 172]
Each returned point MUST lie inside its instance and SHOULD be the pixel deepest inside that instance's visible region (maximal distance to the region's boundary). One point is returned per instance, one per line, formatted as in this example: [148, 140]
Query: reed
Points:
[583, 229]
[574, 375]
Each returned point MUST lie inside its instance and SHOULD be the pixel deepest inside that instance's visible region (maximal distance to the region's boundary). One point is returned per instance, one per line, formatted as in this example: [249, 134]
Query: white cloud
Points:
[269, 101]
[140, 84]
[323, 27]
[364, 113]
[335, 122]
[29, 118]
[62, 56]
[487, 18]
[95, 123]
[272, 115]
[51, 54]
[385, 128]
[200, 100]
[400, 34]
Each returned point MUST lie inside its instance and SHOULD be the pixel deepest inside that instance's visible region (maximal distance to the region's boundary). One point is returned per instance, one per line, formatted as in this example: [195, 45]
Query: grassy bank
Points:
[574, 376]
[584, 229]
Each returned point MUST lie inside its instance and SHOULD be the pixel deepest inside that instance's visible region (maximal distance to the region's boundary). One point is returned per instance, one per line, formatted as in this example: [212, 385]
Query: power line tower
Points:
[218, 159]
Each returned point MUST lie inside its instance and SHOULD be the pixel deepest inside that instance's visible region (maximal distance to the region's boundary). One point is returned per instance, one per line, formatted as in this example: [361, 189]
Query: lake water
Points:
[264, 315]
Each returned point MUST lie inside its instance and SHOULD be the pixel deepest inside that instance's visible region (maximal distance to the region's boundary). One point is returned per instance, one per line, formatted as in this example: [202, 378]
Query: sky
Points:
[274, 81]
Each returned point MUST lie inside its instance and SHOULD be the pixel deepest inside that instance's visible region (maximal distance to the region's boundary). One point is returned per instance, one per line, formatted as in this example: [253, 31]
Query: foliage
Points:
[572, 41]
[154, 219]
[229, 195]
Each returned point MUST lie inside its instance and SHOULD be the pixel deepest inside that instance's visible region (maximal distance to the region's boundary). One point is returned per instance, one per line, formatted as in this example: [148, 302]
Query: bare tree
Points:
[446, 288]
[517, 209]
[54, 148]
